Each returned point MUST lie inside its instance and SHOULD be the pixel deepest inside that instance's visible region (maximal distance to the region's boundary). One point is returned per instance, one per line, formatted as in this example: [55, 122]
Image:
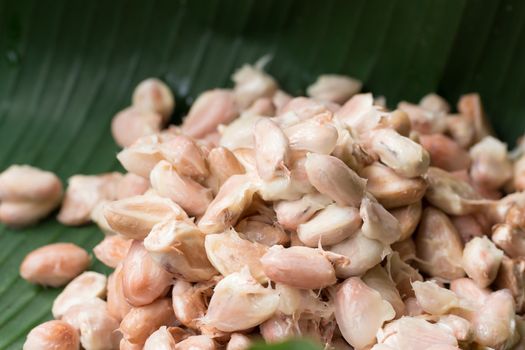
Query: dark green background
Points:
[67, 66]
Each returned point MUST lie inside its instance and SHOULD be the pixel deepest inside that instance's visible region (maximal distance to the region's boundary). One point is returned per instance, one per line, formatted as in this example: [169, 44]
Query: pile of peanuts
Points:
[268, 217]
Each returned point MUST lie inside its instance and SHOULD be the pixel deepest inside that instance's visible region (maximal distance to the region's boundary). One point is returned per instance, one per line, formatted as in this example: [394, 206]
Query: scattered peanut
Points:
[56, 335]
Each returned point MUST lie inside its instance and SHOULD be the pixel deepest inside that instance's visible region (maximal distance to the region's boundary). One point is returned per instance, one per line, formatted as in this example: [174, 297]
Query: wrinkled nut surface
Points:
[54, 264]
[56, 334]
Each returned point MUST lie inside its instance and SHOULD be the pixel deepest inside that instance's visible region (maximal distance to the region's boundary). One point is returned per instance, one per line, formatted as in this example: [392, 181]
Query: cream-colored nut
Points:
[189, 303]
[404, 156]
[470, 108]
[131, 185]
[510, 239]
[27, 183]
[83, 193]
[330, 176]
[86, 286]
[316, 135]
[239, 341]
[98, 329]
[518, 179]
[222, 164]
[481, 260]
[299, 109]
[56, 335]
[271, 149]
[251, 83]
[434, 103]
[239, 133]
[422, 120]
[378, 279]
[189, 194]
[262, 229]
[126, 345]
[97, 216]
[290, 214]
[22, 214]
[134, 217]
[141, 322]
[178, 246]
[461, 130]
[161, 339]
[408, 218]
[54, 264]
[142, 156]
[434, 299]
[335, 88]
[329, 226]
[359, 114]
[511, 276]
[133, 123]
[210, 109]
[280, 328]
[491, 166]
[117, 304]
[439, 246]
[230, 253]
[405, 248]
[391, 189]
[300, 267]
[467, 226]
[246, 157]
[155, 96]
[403, 276]
[186, 157]
[360, 312]
[263, 106]
[378, 223]
[280, 99]
[461, 328]
[143, 280]
[445, 153]
[194, 342]
[240, 294]
[468, 291]
[397, 120]
[112, 250]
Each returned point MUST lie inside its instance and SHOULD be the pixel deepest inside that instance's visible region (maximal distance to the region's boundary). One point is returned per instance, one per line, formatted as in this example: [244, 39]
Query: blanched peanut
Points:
[518, 178]
[352, 152]
[445, 153]
[290, 214]
[481, 260]
[117, 304]
[511, 276]
[189, 194]
[434, 299]
[142, 156]
[405, 248]
[467, 226]
[234, 196]
[186, 157]
[329, 226]
[112, 250]
[460, 327]
[262, 229]
[510, 239]
[252, 83]
[229, 253]
[161, 339]
[222, 164]
[401, 154]
[271, 149]
[56, 335]
[422, 120]
[360, 312]
[434, 103]
[21, 214]
[84, 193]
[240, 294]
[239, 133]
[461, 130]
[212, 108]
[262, 106]
[86, 286]
[141, 322]
[279, 328]
[178, 246]
[54, 264]
[300, 109]
[467, 290]
[491, 166]
[280, 99]
[408, 218]
[143, 280]
[27, 183]
[188, 303]
[403, 275]
[126, 345]
[378, 279]
[470, 108]
[359, 114]
[397, 120]
[363, 252]
[98, 329]
[412, 307]
[314, 135]
[239, 341]
[335, 88]
[132, 123]
[391, 189]
[439, 246]
[196, 342]
[155, 96]
[378, 223]
[330, 176]
[97, 216]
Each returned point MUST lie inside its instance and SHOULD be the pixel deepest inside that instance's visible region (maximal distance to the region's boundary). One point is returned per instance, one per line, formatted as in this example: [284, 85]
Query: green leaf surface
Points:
[67, 66]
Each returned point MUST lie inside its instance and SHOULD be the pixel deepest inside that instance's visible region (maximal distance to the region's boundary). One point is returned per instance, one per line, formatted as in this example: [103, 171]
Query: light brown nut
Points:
[27, 183]
[188, 303]
[178, 246]
[98, 329]
[378, 279]
[262, 229]
[360, 312]
[405, 248]
[252, 83]
[330, 176]
[143, 280]
[408, 218]
[161, 339]
[445, 153]
[212, 108]
[230, 253]
[134, 217]
[112, 250]
[189, 194]
[131, 185]
[233, 198]
[439, 246]
[452, 195]
[467, 226]
[481, 260]
[511, 276]
[460, 129]
[434, 299]
[194, 342]
[334, 88]
[56, 335]
[397, 120]
[141, 322]
[271, 149]
[496, 211]
[86, 286]
[363, 252]
[401, 154]
[422, 120]
[403, 275]
[290, 214]
[391, 189]
[117, 304]
[510, 239]
[154, 95]
[491, 166]
[222, 164]
[239, 341]
[470, 108]
[378, 223]
[142, 156]
[329, 226]
[83, 193]
[132, 123]
[21, 214]
[240, 294]
[54, 264]
[186, 157]
[299, 267]
[316, 135]
[434, 103]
